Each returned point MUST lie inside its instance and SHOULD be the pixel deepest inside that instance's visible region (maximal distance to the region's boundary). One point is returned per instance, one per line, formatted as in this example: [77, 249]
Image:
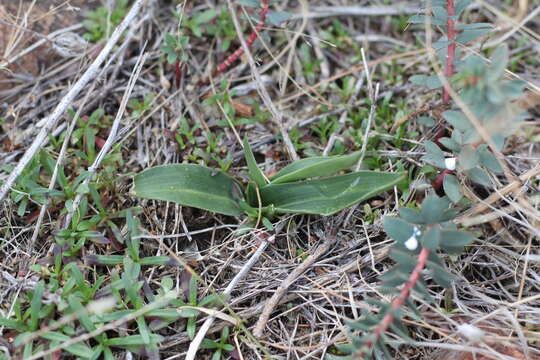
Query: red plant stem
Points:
[400, 300]
[178, 73]
[438, 182]
[250, 40]
[451, 51]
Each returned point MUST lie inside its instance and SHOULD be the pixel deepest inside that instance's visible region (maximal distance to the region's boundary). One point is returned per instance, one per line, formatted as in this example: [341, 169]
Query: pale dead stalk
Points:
[289, 280]
[112, 135]
[89, 75]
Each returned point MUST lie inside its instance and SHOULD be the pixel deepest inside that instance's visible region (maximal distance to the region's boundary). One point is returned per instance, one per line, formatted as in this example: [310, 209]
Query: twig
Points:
[289, 280]
[194, 346]
[373, 95]
[111, 138]
[89, 75]
[59, 161]
[327, 11]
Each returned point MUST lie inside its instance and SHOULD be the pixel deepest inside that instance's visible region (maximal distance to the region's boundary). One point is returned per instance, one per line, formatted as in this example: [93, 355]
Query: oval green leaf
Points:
[315, 166]
[191, 185]
[330, 195]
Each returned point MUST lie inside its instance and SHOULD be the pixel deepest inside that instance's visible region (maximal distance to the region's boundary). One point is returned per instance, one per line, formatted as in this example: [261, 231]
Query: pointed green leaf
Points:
[191, 185]
[254, 172]
[314, 167]
[330, 195]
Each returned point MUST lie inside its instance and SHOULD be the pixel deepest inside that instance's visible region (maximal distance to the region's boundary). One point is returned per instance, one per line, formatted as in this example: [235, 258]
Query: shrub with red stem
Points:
[231, 59]
[397, 303]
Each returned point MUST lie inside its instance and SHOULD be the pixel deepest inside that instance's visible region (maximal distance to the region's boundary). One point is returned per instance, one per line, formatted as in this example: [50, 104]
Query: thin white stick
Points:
[373, 94]
[89, 75]
[194, 346]
[112, 135]
[276, 115]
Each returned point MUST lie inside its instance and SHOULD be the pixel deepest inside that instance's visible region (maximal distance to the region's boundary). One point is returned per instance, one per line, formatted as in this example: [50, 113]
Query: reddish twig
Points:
[398, 301]
[438, 182]
[451, 51]
[231, 59]
[178, 73]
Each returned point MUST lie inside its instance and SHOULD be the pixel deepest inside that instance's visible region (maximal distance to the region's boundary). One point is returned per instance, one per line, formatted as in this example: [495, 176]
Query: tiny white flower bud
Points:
[417, 231]
[450, 163]
[411, 243]
[470, 332]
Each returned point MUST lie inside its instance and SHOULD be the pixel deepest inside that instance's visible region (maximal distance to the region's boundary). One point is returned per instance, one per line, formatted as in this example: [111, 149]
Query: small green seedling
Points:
[220, 346]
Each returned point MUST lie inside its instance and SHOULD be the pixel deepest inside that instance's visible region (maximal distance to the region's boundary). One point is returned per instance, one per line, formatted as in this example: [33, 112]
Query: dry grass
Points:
[499, 276]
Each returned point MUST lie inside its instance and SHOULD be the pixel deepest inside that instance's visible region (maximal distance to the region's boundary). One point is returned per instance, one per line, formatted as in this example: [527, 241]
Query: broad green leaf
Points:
[488, 160]
[254, 172]
[411, 215]
[205, 16]
[422, 19]
[433, 148]
[314, 167]
[499, 59]
[439, 14]
[398, 229]
[457, 119]
[433, 209]
[450, 144]
[462, 5]
[249, 3]
[468, 158]
[470, 35]
[474, 26]
[451, 188]
[431, 239]
[433, 82]
[456, 238]
[191, 185]
[426, 121]
[479, 176]
[330, 195]
[277, 17]
[418, 79]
